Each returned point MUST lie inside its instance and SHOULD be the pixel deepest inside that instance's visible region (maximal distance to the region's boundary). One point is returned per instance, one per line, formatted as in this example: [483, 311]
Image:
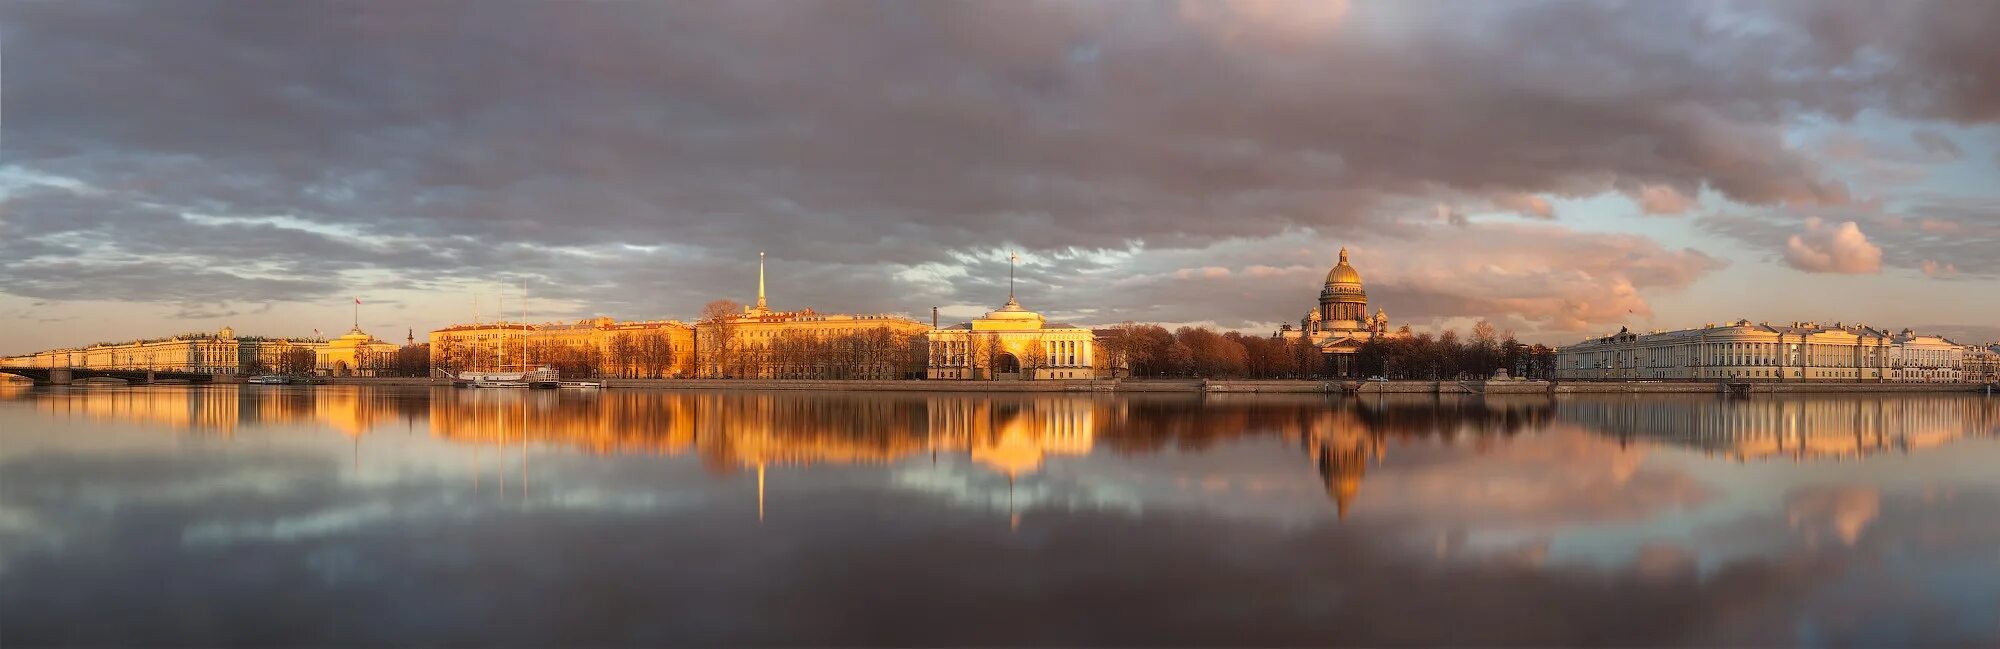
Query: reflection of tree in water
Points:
[732, 431]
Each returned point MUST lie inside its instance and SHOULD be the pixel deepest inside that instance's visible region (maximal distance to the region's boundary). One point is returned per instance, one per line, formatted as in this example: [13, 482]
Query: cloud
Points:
[1933, 269]
[1952, 232]
[630, 157]
[1541, 279]
[1936, 144]
[1527, 205]
[1661, 199]
[1838, 249]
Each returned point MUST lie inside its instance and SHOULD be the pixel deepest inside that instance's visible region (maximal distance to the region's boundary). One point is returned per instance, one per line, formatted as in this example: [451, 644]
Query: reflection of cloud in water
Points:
[1202, 520]
[1841, 512]
[961, 484]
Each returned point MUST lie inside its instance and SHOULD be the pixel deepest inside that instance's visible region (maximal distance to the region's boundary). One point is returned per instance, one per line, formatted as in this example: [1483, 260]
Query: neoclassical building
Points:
[1012, 342]
[1340, 323]
[222, 353]
[355, 353]
[629, 348]
[766, 343]
[1745, 351]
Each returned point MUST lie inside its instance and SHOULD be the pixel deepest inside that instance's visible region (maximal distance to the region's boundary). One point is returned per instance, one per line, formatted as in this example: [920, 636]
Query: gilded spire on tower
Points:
[760, 281]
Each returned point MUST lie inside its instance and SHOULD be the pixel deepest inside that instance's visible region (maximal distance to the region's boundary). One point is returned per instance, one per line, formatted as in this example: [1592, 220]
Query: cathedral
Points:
[1341, 322]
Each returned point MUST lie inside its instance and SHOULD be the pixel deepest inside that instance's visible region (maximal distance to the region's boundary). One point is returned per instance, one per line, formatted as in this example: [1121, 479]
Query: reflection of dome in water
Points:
[1342, 468]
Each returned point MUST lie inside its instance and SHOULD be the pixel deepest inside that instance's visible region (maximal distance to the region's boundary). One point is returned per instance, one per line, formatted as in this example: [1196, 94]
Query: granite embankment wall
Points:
[870, 386]
[385, 380]
[1281, 386]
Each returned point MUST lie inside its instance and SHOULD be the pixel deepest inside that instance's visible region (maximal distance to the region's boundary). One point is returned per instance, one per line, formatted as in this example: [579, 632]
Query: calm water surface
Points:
[272, 515]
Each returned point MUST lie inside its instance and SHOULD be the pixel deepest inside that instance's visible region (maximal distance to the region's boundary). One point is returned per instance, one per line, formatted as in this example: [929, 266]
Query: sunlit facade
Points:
[1743, 351]
[1340, 324]
[221, 353]
[627, 348]
[355, 353]
[764, 343]
[1012, 342]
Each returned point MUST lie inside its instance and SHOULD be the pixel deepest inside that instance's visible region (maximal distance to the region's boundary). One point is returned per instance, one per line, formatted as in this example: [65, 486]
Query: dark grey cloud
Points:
[441, 141]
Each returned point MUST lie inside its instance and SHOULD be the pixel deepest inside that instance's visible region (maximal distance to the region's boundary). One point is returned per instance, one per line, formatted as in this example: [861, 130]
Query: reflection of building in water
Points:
[351, 411]
[1014, 436]
[614, 422]
[176, 408]
[1799, 428]
[1341, 446]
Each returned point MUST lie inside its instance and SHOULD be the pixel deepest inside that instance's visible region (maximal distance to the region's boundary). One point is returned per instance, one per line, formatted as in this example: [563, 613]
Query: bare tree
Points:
[719, 347]
[297, 360]
[620, 357]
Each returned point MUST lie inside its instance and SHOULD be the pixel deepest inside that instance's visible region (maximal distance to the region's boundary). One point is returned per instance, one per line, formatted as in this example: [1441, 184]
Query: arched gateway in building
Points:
[1012, 342]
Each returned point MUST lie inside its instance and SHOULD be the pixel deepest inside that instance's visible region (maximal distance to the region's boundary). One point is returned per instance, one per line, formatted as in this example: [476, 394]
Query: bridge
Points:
[67, 375]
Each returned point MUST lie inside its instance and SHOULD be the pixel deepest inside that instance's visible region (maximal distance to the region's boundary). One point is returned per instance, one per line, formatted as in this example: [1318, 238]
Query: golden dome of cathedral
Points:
[1343, 273]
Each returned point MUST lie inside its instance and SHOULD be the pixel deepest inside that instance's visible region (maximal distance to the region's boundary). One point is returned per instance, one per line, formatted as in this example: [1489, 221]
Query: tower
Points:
[760, 283]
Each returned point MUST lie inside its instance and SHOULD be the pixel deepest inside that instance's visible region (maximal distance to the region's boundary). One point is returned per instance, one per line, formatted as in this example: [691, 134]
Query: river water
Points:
[277, 515]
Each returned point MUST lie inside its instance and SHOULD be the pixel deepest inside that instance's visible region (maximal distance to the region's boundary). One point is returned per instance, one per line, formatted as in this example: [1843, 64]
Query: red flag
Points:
[357, 300]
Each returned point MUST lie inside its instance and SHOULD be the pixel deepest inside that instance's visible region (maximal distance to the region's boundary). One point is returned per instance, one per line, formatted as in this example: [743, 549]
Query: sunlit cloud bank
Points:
[207, 159]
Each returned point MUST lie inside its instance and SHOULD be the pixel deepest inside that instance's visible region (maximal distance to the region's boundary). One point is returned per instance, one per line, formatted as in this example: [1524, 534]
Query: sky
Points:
[1562, 169]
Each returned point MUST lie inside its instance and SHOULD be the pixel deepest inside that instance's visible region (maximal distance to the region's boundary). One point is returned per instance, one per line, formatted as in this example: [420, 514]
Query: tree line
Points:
[1422, 356]
[1200, 352]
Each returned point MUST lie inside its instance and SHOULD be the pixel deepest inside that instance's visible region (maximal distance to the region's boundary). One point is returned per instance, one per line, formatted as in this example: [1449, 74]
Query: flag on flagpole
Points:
[357, 300]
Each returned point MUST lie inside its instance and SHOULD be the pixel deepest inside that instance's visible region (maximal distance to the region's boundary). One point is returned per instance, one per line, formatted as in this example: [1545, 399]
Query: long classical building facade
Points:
[765, 343]
[222, 353]
[628, 348]
[1340, 324]
[1745, 351]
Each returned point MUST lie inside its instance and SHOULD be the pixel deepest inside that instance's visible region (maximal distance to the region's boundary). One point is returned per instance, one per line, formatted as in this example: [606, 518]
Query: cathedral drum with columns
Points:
[1340, 324]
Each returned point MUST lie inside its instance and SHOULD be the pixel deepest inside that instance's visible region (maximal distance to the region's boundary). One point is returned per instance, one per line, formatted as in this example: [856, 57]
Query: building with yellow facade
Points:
[643, 348]
[1012, 343]
[221, 353]
[355, 353]
[1743, 351]
[805, 344]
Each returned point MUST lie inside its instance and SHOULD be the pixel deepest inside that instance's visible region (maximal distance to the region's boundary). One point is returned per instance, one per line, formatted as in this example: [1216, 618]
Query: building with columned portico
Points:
[1012, 342]
[1340, 323]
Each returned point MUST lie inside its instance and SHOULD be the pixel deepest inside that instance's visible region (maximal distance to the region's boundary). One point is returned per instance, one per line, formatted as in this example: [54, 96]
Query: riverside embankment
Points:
[1244, 386]
[1294, 387]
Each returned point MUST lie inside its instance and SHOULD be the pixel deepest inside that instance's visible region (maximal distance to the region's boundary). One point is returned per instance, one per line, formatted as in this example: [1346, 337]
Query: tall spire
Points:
[760, 280]
[1013, 259]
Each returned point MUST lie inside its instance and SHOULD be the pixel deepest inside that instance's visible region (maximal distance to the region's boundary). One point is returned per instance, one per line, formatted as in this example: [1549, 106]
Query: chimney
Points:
[933, 317]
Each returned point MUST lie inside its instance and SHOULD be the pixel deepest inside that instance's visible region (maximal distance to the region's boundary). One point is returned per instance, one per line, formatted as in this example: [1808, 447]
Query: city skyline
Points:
[199, 165]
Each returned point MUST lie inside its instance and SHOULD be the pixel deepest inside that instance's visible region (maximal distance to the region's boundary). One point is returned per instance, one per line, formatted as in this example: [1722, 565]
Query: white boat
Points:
[270, 379]
[581, 385]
